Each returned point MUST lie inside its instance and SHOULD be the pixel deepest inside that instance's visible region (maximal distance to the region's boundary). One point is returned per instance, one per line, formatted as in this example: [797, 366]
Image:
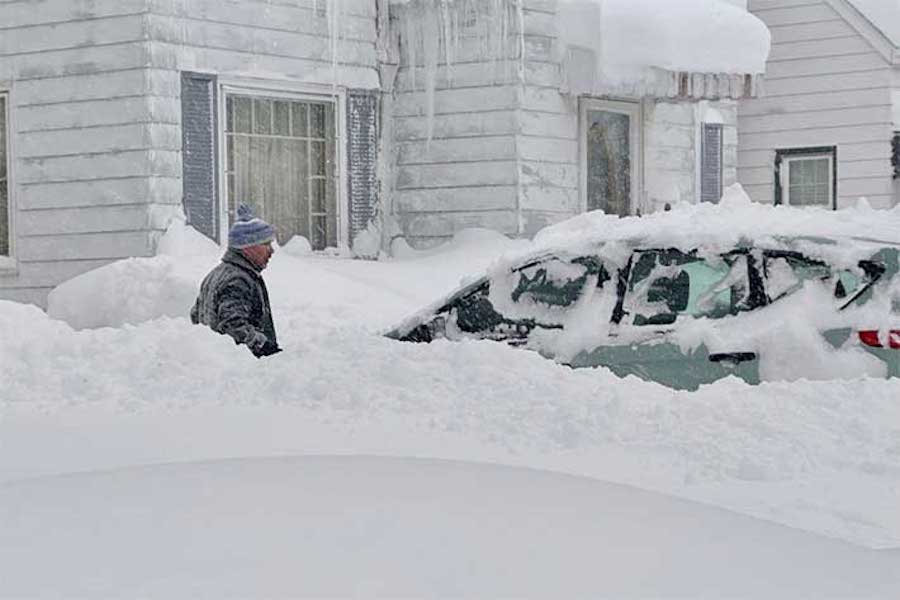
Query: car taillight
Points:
[873, 339]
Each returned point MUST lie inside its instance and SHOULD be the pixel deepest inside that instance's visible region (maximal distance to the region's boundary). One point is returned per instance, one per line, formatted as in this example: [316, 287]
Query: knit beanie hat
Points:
[249, 230]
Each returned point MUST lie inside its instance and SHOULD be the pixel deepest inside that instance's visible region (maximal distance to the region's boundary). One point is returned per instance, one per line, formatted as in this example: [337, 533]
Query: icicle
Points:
[431, 45]
[446, 28]
[411, 42]
[520, 17]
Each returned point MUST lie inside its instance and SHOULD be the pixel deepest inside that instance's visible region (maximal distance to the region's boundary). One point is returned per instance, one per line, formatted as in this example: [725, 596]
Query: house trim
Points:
[289, 91]
[786, 153]
[879, 41]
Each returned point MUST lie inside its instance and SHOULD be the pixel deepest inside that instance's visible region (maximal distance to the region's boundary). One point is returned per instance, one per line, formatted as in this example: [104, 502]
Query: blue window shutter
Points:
[711, 163]
[362, 149]
[198, 136]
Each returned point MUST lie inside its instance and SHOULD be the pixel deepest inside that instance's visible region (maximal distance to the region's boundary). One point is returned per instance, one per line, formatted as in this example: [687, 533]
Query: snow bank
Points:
[371, 294]
[363, 527]
[819, 456]
[138, 289]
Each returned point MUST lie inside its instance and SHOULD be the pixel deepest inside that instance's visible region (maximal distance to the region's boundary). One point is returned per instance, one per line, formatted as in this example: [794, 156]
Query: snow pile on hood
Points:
[626, 39]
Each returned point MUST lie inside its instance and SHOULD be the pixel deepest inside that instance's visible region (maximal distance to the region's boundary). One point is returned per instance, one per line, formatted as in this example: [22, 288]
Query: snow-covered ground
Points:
[355, 527]
[133, 383]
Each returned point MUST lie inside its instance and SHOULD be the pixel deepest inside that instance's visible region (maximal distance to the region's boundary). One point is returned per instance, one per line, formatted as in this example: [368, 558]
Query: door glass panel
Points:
[608, 161]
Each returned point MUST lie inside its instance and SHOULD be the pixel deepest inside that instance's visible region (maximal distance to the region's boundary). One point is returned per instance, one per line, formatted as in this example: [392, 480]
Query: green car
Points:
[788, 309]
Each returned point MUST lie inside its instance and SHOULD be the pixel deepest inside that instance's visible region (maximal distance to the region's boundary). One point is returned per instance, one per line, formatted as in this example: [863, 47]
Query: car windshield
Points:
[666, 284]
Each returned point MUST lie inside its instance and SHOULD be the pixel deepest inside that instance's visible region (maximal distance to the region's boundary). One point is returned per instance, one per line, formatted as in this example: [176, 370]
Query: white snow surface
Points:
[698, 36]
[145, 387]
[355, 527]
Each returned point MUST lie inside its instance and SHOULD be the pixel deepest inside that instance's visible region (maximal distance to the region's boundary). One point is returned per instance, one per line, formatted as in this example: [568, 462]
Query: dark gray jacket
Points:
[233, 300]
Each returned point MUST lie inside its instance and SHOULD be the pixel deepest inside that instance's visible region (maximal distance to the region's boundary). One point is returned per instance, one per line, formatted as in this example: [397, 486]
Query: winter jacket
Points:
[233, 300]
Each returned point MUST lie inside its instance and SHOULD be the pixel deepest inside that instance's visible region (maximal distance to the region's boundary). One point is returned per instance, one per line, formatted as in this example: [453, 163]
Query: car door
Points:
[659, 289]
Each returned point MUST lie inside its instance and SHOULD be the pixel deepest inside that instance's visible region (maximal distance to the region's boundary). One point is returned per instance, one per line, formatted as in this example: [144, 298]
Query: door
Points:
[610, 156]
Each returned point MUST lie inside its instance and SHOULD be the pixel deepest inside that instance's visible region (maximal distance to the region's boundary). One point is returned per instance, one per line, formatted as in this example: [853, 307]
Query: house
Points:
[353, 122]
[826, 131]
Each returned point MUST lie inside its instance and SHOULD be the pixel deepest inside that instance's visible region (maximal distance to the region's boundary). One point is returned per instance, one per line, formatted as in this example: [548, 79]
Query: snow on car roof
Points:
[735, 221]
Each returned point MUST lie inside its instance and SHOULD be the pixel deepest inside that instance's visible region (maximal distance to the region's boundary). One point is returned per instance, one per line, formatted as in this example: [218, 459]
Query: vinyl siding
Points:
[826, 85]
[81, 140]
[95, 95]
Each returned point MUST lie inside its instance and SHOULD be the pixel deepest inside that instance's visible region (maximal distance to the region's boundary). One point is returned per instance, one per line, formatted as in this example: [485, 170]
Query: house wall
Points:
[505, 147]
[466, 174]
[826, 85]
[273, 44]
[81, 147]
[672, 149]
[96, 113]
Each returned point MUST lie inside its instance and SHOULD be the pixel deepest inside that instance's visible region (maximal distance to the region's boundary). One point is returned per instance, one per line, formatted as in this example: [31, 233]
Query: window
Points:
[666, 284]
[711, 163]
[895, 154]
[610, 164]
[5, 211]
[281, 159]
[805, 177]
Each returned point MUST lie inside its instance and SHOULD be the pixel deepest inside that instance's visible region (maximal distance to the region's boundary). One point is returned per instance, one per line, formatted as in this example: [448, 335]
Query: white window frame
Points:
[635, 140]
[786, 163]
[286, 91]
[8, 262]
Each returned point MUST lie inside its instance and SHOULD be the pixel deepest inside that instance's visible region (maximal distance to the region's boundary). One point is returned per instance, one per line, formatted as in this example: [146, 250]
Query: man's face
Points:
[259, 255]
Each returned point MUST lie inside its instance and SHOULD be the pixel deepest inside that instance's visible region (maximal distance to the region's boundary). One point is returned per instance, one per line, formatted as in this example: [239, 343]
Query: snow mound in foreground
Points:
[376, 527]
[820, 456]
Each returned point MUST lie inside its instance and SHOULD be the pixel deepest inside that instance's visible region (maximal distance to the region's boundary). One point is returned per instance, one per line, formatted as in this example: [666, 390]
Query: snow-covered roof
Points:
[614, 45]
[884, 15]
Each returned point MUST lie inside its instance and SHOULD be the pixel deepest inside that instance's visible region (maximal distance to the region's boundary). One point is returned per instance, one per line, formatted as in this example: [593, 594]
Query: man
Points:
[233, 298]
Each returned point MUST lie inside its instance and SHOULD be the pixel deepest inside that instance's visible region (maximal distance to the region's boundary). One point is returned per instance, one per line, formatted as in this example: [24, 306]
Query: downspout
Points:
[387, 47]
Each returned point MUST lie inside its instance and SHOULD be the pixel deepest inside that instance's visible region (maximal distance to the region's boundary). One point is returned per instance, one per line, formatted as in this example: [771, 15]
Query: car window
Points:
[667, 284]
[556, 281]
[785, 273]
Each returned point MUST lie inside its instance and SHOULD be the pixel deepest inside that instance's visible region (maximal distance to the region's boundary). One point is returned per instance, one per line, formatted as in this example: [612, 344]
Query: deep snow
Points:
[821, 456]
[364, 527]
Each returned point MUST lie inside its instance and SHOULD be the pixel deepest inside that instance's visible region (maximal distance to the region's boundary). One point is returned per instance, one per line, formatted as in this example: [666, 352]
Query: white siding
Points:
[466, 175]
[95, 95]
[77, 75]
[672, 149]
[826, 85]
[505, 154]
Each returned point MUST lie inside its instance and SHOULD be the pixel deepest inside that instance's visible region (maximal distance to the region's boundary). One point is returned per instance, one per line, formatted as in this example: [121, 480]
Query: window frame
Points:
[8, 261]
[285, 91]
[634, 110]
[783, 159]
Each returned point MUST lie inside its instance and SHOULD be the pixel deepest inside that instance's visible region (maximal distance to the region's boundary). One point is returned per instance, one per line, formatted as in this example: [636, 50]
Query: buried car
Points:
[784, 308]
